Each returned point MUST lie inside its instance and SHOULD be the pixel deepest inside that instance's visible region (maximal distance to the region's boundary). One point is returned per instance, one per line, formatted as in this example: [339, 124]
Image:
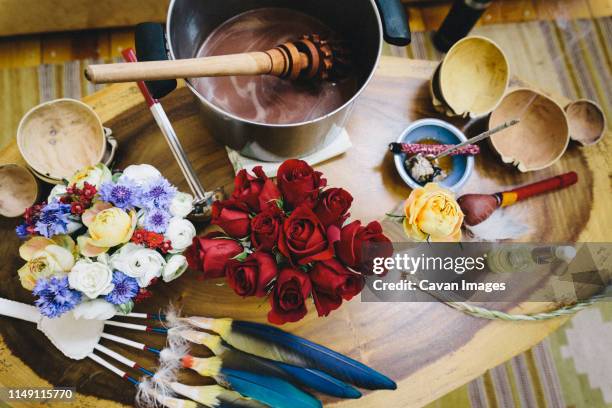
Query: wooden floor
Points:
[31, 50]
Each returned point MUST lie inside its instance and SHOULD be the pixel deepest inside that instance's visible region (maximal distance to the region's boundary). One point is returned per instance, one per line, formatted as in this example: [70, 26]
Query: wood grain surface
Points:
[428, 348]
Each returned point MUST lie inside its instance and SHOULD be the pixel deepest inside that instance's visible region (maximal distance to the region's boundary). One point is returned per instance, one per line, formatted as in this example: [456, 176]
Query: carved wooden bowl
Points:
[18, 190]
[586, 120]
[541, 137]
[474, 76]
[58, 138]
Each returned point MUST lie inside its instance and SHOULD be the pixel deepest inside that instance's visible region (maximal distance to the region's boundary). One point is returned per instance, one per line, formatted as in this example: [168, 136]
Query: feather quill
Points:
[275, 344]
[239, 360]
[215, 396]
[271, 391]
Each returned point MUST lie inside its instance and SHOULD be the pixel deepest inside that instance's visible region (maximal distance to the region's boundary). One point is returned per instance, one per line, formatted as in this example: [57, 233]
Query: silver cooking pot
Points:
[356, 21]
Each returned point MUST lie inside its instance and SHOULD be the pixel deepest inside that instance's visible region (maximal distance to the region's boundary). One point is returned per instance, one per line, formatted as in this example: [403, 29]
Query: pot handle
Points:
[395, 22]
[151, 46]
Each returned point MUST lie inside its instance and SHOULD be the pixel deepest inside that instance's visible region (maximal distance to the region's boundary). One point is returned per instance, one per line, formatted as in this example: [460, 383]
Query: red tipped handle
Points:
[130, 56]
[550, 184]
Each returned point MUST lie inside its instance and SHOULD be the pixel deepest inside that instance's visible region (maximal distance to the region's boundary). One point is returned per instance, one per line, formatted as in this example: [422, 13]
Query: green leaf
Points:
[242, 256]
[279, 203]
[126, 307]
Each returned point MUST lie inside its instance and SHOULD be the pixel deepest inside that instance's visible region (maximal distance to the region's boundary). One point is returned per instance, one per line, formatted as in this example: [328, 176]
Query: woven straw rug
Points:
[572, 367]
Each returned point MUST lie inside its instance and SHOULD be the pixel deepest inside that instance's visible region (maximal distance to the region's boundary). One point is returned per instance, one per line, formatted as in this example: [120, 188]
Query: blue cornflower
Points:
[22, 231]
[156, 220]
[124, 194]
[126, 288]
[55, 296]
[53, 219]
[157, 194]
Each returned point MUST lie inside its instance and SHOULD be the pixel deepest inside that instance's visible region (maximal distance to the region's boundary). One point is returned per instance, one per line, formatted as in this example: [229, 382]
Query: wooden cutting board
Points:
[428, 348]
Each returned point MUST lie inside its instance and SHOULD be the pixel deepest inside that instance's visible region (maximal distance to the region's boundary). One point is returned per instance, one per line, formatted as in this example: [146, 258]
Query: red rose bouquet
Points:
[288, 241]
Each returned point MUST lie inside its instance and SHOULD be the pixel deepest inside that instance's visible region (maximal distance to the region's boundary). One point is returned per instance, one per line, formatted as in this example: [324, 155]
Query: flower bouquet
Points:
[289, 241]
[130, 230]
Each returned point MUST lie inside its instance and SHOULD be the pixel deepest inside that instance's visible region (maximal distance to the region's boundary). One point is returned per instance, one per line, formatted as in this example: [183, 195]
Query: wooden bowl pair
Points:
[18, 190]
[472, 78]
[543, 134]
[59, 137]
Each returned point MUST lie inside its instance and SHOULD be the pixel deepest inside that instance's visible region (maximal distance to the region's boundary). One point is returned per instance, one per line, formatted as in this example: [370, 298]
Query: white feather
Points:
[500, 226]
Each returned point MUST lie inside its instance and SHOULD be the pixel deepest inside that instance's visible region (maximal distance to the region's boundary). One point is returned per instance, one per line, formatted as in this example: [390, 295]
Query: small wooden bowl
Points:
[18, 190]
[59, 137]
[474, 76]
[541, 137]
[586, 120]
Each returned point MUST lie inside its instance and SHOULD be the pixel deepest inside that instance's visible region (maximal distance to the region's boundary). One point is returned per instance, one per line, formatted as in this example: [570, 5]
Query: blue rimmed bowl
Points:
[443, 133]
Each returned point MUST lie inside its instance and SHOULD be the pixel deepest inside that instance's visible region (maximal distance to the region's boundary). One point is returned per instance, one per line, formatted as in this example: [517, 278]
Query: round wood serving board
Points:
[428, 348]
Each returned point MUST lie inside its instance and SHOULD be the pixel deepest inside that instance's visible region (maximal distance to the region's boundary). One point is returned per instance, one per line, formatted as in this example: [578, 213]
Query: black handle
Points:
[395, 22]
[151, 46]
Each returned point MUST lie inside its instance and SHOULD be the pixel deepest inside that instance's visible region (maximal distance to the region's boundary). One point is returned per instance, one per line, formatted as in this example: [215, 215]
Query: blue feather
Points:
[271, 391]
[299, 351]
[319, 381]
[316, 380]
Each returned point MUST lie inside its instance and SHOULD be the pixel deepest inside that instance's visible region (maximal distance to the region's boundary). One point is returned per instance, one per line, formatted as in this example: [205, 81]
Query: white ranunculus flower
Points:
[97, 309]
[141, 174]
[56, 191]
[180, 233]
[176, 265]
[94, 175]
[138, 262]
[91, 278]
[181, 205]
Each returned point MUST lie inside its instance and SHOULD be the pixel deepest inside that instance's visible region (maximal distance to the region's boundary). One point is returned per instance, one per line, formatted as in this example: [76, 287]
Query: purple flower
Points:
[55, 297]
[157, 194]
[124, 194]
[156, 220]
[22, 231]
[126, 288]
[53, 219]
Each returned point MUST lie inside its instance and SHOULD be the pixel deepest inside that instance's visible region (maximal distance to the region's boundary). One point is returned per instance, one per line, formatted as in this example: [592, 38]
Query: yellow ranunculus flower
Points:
[112, 227]
[433, 213]
[47, 260]
[94, 175]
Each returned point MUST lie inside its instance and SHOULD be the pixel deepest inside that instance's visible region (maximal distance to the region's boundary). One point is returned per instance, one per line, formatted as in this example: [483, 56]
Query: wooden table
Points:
[428, 348]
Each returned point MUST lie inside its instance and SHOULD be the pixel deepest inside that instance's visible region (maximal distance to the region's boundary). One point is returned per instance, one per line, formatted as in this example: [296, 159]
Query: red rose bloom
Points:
[303, 238]
[211, 253]
[299, 183]
[333, 206]
[232, 216]
[265, 228]
[257, 192]
[289, 296]
[358, 246]
[251, 277]
[332, 282]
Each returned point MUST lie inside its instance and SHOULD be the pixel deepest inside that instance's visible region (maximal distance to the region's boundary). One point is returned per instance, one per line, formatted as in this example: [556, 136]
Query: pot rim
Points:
[280, 125]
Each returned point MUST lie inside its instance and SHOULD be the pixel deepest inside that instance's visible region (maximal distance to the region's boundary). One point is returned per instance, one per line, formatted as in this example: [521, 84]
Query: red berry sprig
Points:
[151, 240]
[80, 199]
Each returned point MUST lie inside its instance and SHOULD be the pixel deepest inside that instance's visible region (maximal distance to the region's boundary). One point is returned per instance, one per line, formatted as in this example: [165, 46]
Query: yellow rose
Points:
[108, 228]
[433, 213]
[45, 258]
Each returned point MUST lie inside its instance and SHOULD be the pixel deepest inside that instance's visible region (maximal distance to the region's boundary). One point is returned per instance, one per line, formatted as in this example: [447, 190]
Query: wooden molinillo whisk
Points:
[307, 58]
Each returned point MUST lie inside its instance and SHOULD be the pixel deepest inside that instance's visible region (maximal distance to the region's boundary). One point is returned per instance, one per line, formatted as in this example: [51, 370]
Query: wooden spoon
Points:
[309, 57]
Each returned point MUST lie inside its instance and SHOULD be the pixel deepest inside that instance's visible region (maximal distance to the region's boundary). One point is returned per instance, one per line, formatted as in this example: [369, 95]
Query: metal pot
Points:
[357, 21]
